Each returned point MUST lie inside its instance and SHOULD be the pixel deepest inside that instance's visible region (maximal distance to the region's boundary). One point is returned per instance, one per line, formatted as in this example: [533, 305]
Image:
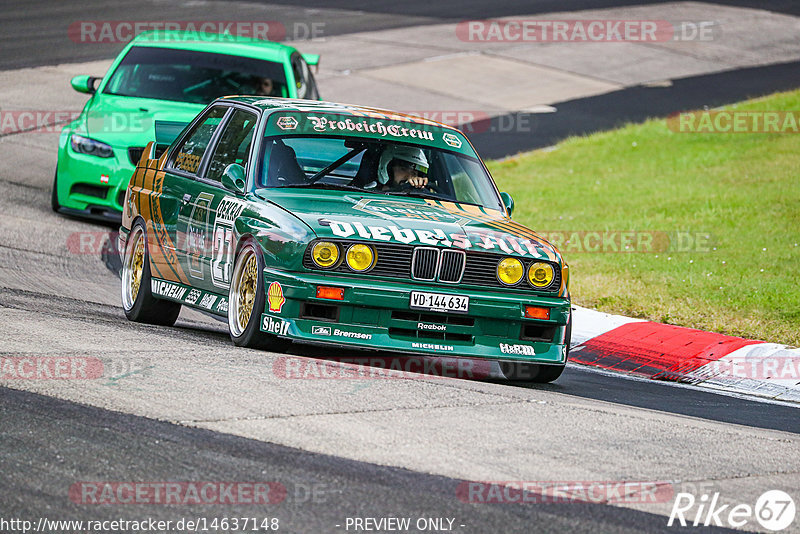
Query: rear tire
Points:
[246, 301]
[137, 300]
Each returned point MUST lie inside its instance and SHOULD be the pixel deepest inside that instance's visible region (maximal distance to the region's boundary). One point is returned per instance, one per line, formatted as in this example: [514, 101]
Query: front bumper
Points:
[376, 315]
[93, 187]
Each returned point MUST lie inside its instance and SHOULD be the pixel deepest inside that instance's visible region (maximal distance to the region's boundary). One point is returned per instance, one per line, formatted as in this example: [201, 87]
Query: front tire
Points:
[539, 374]
[138, 302]
[246, 301]
[54, 194]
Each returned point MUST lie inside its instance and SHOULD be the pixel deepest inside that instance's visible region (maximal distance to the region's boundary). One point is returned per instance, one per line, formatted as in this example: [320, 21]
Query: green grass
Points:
[741, 189]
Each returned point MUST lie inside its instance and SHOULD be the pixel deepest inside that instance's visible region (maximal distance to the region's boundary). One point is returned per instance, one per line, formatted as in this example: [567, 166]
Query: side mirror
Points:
[313, 60]
[508, 202]
[233, 178]
[84, 83]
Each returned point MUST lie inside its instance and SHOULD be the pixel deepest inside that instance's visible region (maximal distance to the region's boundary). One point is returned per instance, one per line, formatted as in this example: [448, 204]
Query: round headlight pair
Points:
[511, 270]
[359, 257]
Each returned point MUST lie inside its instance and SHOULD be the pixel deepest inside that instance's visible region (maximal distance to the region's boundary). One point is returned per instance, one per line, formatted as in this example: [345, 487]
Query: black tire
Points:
[246, 294]
[54, 194]
[535, 373]
[138, 302]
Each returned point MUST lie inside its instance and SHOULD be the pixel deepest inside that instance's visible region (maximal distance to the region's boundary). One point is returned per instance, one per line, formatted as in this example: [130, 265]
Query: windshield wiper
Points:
[417, 193]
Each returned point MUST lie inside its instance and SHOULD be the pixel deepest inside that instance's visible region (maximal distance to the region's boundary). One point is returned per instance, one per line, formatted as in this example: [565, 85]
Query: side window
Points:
[234, 144]
[303, 79]
[190, 153]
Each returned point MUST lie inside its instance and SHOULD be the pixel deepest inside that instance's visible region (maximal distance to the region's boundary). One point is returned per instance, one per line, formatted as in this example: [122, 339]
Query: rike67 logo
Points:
[774, 510]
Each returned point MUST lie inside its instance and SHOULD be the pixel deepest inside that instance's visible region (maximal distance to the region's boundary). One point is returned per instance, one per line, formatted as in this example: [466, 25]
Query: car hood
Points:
[408, 220]
[126, 121]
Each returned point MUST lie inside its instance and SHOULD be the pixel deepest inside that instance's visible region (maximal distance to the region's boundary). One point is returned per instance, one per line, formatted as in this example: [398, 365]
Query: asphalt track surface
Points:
[335, 440]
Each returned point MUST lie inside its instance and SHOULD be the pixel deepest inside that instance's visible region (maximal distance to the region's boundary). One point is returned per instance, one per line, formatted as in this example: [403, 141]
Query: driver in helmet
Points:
[403, 164]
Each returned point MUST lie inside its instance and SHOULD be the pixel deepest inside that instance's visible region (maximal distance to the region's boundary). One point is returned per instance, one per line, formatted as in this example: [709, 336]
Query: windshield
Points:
[193, 77]
[375, 166]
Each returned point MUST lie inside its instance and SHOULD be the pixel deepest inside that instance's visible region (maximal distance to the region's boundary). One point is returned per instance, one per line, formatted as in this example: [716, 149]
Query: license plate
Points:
[440, 302]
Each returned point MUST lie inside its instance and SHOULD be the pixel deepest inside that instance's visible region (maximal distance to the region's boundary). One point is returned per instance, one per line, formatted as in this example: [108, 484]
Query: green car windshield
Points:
[369, 165]
[193, 77]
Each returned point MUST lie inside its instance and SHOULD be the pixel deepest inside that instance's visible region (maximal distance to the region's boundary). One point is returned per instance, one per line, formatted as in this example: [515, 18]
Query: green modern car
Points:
[340, 225]
[165, 76]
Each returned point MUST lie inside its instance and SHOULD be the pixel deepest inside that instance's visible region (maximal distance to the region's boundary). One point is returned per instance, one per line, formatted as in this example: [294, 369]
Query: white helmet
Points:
[414, 156]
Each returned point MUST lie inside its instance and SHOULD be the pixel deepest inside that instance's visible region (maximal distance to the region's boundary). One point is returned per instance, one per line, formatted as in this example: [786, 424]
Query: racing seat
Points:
[283, 167]
[368, 170]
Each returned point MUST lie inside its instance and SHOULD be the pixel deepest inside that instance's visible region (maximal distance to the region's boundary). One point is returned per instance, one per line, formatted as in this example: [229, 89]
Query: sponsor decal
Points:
[321, 330]
[352, 335]
[432, 346]
[438, 237]
[393, 209]
[208, 301]
[196, 234]
[524, 350]
[222, 252]
[452, 140]
[275, 297]
[428, 326]
[275, 326]
[193, 295]
[222, 305]
[167, 289]
[187, 162]
[324, 124]
[287, 123]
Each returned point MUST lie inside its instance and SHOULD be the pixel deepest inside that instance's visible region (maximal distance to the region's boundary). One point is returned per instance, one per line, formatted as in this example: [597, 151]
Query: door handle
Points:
[186, 198]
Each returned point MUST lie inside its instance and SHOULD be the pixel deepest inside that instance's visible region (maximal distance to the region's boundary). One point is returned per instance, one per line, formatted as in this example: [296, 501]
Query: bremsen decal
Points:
[275, 297]
[451, 140]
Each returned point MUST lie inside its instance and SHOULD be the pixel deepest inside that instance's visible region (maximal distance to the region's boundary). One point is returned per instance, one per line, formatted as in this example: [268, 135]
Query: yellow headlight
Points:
[509, 271]
[360, 257]
[325, 254]
[540, 274]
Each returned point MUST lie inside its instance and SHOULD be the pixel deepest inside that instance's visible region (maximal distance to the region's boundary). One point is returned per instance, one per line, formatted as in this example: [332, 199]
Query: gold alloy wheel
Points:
[246, 291]
[136, 268]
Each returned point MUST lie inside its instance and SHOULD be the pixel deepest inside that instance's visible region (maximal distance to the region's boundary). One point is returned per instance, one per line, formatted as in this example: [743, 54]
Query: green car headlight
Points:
[509, 271]
[84, 145]
[360, 257]
[540, 274]
[325, 254]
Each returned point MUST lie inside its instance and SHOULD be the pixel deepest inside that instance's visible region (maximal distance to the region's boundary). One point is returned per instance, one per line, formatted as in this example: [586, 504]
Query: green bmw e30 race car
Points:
[343, 225]
[167, 76]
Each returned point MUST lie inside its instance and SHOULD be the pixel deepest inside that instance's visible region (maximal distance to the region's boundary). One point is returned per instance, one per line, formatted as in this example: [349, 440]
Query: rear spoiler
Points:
[166, 133]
